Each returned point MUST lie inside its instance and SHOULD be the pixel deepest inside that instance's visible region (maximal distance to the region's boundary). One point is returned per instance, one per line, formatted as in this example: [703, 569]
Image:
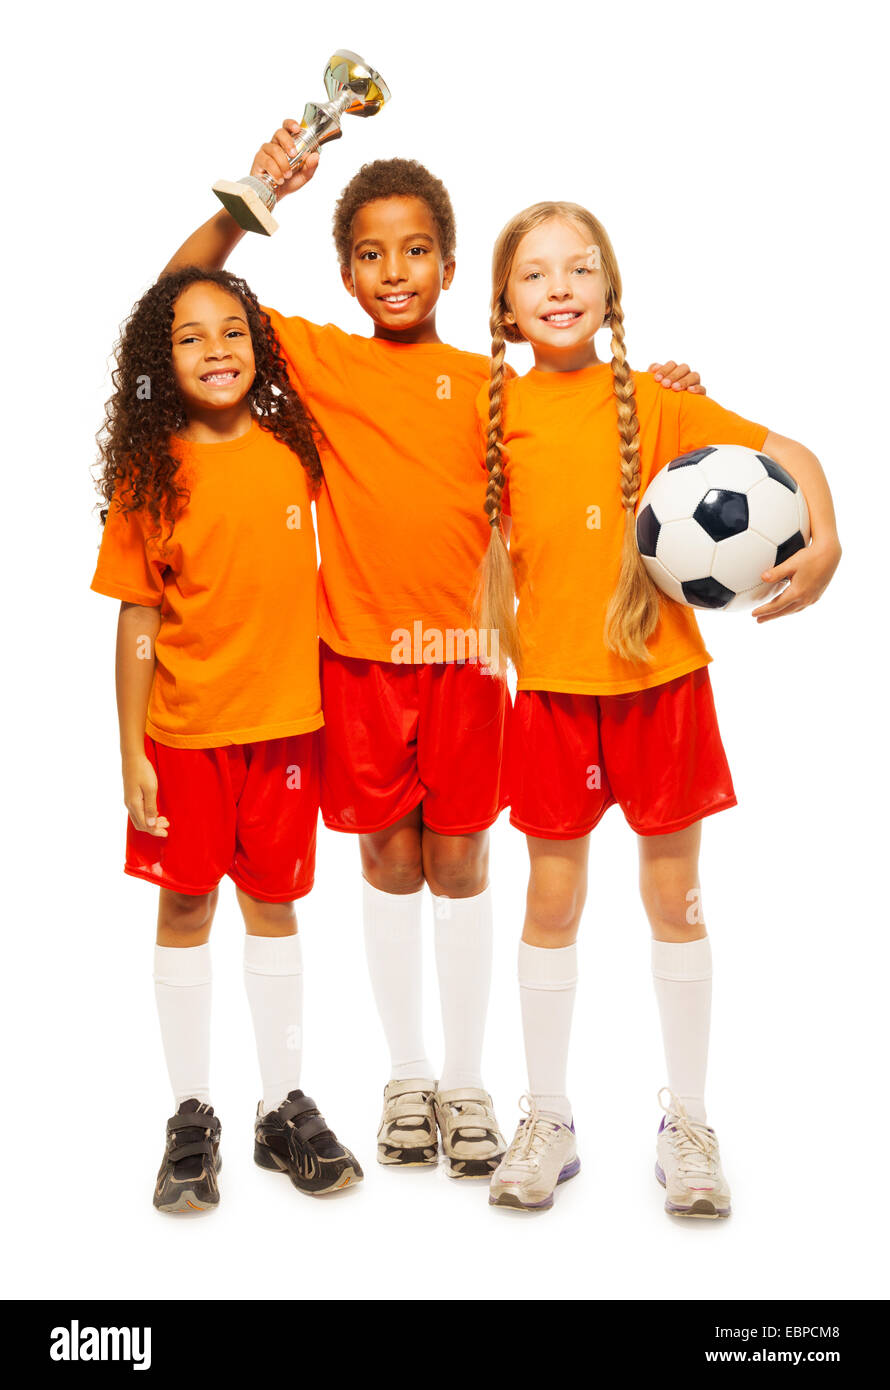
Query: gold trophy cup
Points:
[353, 89]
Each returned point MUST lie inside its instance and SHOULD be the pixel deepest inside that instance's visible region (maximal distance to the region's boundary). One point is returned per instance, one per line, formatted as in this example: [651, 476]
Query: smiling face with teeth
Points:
[396, 269]
[558, 294]
[213, 360]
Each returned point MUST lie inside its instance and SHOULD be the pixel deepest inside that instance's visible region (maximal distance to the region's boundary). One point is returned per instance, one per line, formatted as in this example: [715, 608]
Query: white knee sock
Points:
[682, 971]
[182, 991]
[547, 981]
[394, 948]
[273, 978]
[463, 935]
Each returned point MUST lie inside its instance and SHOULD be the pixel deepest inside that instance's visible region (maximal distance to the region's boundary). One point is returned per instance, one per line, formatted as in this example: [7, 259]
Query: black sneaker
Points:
[187, 1176]
[295, 1139]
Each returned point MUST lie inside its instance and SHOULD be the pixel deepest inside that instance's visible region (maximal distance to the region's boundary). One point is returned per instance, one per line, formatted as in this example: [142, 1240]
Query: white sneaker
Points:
[472, 1144]
[688, 1164]
[542, 1154]
[407, 1135]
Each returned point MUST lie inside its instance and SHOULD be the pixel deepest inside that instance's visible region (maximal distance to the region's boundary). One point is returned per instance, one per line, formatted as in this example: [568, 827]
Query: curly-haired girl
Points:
[614, 702]
[209, 464]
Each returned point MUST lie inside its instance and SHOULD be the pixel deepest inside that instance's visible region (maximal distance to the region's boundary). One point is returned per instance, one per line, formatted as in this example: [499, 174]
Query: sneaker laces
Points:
[530, 1140]
[694, 1143]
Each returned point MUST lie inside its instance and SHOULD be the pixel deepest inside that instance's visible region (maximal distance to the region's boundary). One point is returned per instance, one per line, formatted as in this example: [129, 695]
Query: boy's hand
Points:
[809, 570]
[677, 378]
[272, 158]
[141, 796]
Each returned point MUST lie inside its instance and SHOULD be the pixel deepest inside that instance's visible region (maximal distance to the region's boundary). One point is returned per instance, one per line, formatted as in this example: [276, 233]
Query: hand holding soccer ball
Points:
[713, 521]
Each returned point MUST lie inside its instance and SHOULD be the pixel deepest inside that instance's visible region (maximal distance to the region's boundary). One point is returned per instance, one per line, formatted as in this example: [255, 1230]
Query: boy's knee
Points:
[457, 879]
[397, 876]
[393, 868]
[456, 867]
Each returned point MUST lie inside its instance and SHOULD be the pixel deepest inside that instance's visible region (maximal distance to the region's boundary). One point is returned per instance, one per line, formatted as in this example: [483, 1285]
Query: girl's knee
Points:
[553, 915]
[674, 911]
[669, 882]
[184, 919]
[267, 919]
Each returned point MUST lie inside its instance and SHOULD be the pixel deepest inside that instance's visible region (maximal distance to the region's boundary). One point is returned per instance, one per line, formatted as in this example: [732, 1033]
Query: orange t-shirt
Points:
[401, 526]
[237, 649]
[562, 463]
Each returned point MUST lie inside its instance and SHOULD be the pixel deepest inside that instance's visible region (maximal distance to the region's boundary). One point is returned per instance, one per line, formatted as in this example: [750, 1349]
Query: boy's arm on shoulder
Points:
[677, 378]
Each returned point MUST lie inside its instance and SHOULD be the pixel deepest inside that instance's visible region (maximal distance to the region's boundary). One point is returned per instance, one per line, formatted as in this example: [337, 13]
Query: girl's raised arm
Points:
[210, 246]
[214, 241]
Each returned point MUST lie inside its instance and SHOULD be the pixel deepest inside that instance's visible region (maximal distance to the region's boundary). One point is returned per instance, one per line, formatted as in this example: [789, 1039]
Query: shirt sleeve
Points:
[299, 343]
[126, 568]
[703, 422]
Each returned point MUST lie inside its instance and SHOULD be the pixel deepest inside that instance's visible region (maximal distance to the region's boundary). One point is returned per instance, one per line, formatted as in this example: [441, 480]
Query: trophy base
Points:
[245, 206]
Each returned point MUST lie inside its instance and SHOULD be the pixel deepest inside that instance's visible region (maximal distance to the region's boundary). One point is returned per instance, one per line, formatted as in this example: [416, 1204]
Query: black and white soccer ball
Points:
[712, 521]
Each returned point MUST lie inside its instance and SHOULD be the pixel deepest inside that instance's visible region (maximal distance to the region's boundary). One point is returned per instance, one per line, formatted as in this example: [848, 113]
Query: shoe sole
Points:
[510, 1202]
[703, 1209]
[471, 1167]
[423, 1157]
[270, 1162]
[188, 1203]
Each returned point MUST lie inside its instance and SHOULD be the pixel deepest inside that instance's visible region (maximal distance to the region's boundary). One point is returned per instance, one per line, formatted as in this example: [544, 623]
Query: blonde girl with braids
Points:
[614, 702]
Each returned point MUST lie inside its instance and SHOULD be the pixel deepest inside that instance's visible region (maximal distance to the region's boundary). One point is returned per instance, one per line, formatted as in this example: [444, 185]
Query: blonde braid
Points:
[493, 462]
[634, 607]
[495, 598]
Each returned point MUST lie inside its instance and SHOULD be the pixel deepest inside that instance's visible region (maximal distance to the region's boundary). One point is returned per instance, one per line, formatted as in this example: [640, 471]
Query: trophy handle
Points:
[320, 125]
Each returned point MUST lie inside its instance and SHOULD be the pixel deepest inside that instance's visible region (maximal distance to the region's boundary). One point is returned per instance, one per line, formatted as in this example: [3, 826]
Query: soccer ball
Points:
[712, 521]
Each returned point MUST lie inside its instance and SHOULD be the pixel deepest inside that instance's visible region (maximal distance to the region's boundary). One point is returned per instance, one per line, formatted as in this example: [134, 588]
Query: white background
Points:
[736, 156]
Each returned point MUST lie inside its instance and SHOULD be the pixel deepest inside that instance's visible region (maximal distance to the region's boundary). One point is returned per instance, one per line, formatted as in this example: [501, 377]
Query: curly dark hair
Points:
[393, 178]
[136, 461]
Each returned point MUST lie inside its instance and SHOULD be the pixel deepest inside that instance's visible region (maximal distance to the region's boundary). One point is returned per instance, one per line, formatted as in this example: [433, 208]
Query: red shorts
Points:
[657, 752]
[249, 810]
[398, 735]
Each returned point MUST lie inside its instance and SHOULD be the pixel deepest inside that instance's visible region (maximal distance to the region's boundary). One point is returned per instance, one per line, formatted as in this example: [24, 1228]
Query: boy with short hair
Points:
[414, 727]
